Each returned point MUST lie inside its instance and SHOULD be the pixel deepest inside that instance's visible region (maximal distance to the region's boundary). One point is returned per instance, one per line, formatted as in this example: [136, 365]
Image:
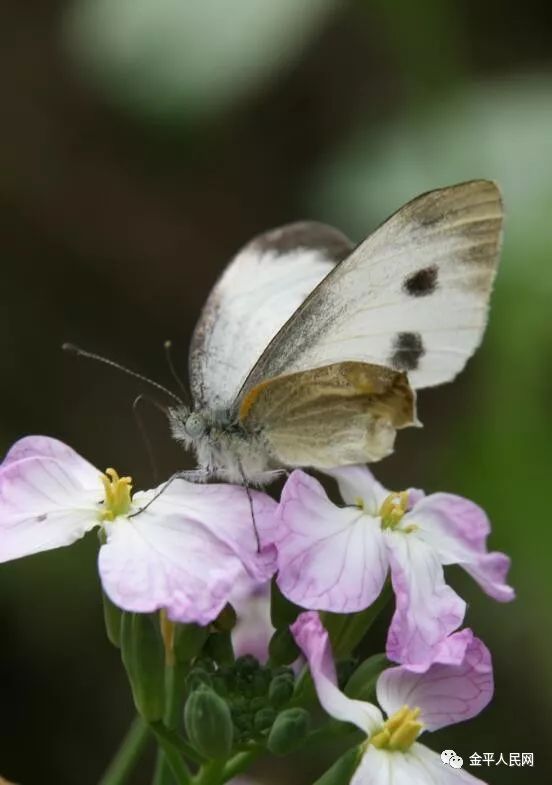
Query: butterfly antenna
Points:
[250, 500]
[168, 354]
[142, 398]
[76, 350]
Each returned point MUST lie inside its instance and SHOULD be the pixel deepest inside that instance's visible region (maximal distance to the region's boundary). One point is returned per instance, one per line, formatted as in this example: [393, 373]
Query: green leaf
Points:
[282, 611]
[282, 647]
[347, 630]
[112, 617]
[362, 684]
[143, 655]
[343, 769]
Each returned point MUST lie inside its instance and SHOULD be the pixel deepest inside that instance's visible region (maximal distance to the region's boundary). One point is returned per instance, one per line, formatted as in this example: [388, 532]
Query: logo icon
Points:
[450, 758]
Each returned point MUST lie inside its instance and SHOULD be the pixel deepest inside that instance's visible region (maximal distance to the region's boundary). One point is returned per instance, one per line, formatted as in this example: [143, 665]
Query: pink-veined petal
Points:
[417, 766]
[43, 505]
[312, 638]
[458, 529]
[163, 560]
[427, 610]
[447, 692]
[358, 482]
[80, 469]
[329, 558]
[224, 512]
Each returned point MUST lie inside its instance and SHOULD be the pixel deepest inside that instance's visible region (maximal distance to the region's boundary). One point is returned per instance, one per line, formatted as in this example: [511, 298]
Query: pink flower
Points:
[337, 558]
[455, 686]
[184, 553]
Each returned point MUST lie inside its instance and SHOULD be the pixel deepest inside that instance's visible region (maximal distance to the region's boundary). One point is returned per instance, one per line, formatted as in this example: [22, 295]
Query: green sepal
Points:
[289, 731]
[208, 723]
[218, 646]
[143, 655]
[362, 684]
[112, 618]
[347, 630]
[283, 612]
[342, 771]
[282, 648]
[189, 640]
[226, 620]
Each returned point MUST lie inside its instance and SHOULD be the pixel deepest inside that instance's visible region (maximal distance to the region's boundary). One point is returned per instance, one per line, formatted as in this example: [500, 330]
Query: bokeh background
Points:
[141, 143]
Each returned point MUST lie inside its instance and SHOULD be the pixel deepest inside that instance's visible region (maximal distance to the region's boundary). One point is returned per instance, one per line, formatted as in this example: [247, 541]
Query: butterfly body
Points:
[224, 448]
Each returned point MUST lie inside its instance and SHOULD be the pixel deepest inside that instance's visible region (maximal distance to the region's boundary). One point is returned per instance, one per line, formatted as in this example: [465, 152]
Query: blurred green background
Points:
[141, 143]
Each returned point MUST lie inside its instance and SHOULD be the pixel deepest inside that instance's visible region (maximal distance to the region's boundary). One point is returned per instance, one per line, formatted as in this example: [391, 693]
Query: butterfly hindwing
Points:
[339, 414]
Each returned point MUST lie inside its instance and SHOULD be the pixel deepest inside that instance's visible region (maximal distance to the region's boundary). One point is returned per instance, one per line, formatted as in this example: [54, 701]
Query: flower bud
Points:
[289, 731]
[264, 718]
[143, 656]
[196, 678]
[209, 723]
[280, 691]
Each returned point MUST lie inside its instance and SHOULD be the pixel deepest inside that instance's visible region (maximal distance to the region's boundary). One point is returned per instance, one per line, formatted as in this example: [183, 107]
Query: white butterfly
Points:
[308, 350]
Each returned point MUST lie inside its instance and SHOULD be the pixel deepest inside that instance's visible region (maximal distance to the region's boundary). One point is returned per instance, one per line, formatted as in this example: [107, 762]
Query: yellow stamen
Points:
[117, 495]
[392, 509]
[399, 732]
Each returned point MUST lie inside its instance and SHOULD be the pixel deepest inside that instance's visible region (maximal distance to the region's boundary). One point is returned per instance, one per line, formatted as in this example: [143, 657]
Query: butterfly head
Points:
[195, 425]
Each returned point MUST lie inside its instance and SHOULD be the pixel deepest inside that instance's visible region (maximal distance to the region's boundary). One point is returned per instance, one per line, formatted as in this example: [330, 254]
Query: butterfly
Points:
[308, 351]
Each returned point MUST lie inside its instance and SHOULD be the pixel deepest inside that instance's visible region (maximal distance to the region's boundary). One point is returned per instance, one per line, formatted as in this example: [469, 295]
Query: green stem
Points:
[163, 774]
[239, 763]
[128, 753]
[210, 773]
[172, 753]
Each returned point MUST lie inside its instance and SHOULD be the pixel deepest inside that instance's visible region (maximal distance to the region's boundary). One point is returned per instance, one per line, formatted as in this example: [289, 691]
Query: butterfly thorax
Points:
[224, 448]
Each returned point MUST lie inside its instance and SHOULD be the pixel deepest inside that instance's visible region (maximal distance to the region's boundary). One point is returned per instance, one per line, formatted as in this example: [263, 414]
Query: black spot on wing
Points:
[407, 350]
[422, 282]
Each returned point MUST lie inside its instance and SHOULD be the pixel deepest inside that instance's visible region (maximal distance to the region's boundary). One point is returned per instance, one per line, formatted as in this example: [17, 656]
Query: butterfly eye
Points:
[195, 426]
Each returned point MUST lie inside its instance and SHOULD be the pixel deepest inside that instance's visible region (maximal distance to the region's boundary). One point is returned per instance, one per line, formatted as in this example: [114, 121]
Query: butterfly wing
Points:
[339, 414]
[259, 290]
[413, 296]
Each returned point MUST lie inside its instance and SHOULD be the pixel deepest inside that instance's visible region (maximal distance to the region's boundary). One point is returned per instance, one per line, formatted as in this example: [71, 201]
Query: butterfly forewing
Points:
[412, 297]
[259, 290]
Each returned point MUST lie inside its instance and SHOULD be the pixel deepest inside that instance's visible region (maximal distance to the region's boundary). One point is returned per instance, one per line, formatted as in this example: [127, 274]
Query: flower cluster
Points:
[190, 550]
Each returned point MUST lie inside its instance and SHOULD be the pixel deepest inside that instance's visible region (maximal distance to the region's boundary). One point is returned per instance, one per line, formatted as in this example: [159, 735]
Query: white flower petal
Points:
[80, 469]
[358, 482]
[224, 511]
[418, 766]
[43, 505]
[186, 552]
[254, 629]
[427, 610]
[329, 558]
[312, 638]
